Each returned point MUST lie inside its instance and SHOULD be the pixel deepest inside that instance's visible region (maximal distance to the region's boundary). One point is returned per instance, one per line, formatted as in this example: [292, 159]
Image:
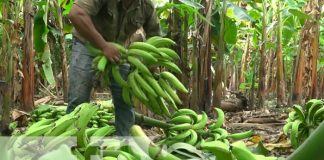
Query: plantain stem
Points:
[139, 118]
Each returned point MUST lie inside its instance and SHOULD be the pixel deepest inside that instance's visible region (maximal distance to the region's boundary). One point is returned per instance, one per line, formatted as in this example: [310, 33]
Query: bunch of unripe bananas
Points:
[53, 113]
[48, 134]
[303, 120]
[157, 91]
[192, 128]
[46, 112]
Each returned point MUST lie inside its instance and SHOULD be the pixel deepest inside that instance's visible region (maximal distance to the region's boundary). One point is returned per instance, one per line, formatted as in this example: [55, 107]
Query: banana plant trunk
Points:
[180, 37]
[280, 68]
[184, 62]
[261, 89]
[28, 58]
[253, 87]
[306, 69]
[5, 72]
[232, 72]
[204, 62]
[271, 67]
[62, 51]
[219, 65]
[314, 48]
[245, 58]
[194, 96]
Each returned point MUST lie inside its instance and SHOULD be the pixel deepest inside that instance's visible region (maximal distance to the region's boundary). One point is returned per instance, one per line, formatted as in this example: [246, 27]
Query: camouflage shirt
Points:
[117, 24]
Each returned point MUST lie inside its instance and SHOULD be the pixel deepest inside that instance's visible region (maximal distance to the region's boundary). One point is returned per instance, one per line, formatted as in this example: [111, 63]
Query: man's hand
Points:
[111, 52]
[84, 25]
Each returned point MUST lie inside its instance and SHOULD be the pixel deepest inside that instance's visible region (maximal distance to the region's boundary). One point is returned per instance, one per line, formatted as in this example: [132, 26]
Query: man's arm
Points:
[84, 25]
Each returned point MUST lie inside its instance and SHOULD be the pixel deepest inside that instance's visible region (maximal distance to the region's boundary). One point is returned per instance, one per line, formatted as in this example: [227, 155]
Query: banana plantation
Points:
[161, 79]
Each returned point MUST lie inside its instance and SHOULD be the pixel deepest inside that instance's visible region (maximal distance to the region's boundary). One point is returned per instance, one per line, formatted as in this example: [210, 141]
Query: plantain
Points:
[39, 131]
[117, 76]
[202, 123]
[287, 127]
[300, 112]
[219, 149]
[171, 102]
[222, 132]
[173, 80]
[121, 49]
[86, 112]
[136, 90]
[242, 135]
[154, 105]
[318, 114]
[164, 57]
[312, 110]
[144, 46]
[181, 119]
[240, 152]
[92, 50]
[40, 123]
[181, 136]
[142, 54]
[63, 138]
[155, 85]
[139, 65]
[170, 66]
[170, 53]
[220, 119]
[169, 90]
[62, 126]
[102, 64]
[193, 138]
[181, 127]
[144, 85]
[160, 42]
[154, 151]
[164, 108]
[294, 133]
[90, 131]
[102, 132]
[126, 96]
[187, 111]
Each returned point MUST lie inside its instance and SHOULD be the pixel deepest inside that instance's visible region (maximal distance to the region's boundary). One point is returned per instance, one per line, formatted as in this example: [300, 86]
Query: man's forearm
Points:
[84, 25]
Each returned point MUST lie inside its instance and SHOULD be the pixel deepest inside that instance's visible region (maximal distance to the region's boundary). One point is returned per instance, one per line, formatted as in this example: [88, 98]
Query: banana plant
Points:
[41, 31]
[302, 121]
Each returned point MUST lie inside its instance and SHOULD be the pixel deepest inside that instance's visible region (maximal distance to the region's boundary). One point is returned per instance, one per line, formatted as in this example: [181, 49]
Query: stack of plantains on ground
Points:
[47, 112]
[53, 113]
[48, 134]
[157, 91]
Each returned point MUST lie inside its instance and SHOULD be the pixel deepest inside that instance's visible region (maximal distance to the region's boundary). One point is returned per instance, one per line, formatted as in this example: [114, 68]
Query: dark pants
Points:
[81, 78]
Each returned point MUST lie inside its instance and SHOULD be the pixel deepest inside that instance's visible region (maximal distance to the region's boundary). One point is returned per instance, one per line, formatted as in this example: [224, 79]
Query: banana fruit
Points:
[242, 135]
[220, 119]
[173, 80]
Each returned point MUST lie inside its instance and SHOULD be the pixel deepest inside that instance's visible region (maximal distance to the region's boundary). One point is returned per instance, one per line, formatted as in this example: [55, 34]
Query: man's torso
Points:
[115, 23]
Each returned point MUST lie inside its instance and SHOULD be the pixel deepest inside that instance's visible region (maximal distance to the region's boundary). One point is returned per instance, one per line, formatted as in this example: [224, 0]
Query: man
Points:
[101, 22]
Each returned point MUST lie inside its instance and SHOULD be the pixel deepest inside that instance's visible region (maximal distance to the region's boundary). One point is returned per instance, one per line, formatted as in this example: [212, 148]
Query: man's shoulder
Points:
[148, 4]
